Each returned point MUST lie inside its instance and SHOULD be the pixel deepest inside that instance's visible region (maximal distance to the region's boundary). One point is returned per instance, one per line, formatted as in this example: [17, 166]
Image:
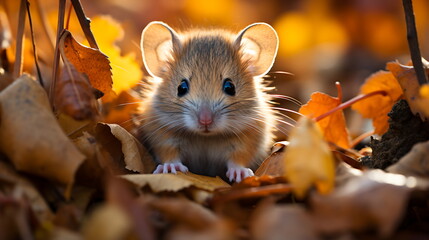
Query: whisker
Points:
[284, 97]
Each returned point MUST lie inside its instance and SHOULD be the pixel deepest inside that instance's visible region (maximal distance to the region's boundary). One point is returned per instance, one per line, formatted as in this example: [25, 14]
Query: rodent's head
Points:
[209, 81]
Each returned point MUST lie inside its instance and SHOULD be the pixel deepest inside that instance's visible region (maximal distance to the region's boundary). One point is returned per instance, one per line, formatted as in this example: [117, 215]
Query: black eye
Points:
[228, 87]
[183, 88]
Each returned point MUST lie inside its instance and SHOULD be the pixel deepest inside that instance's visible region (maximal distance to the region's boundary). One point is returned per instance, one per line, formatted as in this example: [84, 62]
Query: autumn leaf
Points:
[407, 79]
[30, 135]
[74, 95]
[136, 157]
[126, 72]
[92, 62]
[273, 164]
[333, 126]
[175, 182]
[308, 160]
[378, 106]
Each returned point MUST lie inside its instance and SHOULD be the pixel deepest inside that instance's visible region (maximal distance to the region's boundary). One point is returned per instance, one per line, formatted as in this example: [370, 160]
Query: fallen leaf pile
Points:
[71, 169]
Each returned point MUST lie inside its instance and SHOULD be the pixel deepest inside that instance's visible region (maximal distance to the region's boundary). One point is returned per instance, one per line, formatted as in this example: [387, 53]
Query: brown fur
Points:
[169, 125]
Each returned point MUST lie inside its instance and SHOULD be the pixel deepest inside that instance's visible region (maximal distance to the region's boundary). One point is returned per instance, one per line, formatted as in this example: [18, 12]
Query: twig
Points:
[34, 45]
[348, 103]
[413, 42]
[60, 28]
[17, 68]
[84, 23]
[68, 17]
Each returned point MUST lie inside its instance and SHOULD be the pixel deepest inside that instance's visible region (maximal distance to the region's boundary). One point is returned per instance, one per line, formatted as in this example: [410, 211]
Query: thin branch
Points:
[17, 68]
[68, 17]
[39, 75]
[84, 23]
[60, 28]
[413, 42]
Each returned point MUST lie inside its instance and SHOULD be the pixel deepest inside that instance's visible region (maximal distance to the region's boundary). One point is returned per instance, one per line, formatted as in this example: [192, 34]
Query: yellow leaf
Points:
[126, 71]
[308, 160]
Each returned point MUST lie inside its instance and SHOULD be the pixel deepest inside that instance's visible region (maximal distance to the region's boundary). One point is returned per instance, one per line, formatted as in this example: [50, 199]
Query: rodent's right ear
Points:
[158, 42]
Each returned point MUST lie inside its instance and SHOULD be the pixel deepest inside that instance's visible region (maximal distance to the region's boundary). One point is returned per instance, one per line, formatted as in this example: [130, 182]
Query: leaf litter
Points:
[66, 174]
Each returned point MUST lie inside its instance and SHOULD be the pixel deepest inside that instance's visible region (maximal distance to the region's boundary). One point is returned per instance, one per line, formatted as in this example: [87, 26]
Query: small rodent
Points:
[206, 109]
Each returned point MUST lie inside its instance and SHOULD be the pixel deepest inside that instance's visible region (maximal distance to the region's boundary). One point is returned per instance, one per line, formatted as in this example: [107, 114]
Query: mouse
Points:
[206, 108]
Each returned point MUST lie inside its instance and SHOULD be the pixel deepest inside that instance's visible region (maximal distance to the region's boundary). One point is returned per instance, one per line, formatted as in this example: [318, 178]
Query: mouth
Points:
[205, 129]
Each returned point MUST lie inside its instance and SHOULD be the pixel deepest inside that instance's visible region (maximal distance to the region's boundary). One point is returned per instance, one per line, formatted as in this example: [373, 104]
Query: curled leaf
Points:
[74, 95]
[87, 60]
[30, 135]
[136, 157]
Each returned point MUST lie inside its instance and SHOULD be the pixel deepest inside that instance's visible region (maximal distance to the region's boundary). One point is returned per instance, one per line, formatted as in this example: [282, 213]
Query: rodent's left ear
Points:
[259, 44]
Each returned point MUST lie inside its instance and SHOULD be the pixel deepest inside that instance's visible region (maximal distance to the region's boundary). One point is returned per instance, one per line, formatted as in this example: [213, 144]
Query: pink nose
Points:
[205, 117]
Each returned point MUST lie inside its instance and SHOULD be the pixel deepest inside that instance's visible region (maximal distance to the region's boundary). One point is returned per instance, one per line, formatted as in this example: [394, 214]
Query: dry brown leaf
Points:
[414, 163]
[175, 182]
[273, 165]
[374, 200]
[407, 78]
[30, 135]
[282, 222]
[74, 95]
[87, 60]
[136, 157]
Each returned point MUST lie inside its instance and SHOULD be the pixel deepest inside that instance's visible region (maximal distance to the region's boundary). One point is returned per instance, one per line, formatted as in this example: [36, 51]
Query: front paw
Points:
[237, 173]
[171, 167]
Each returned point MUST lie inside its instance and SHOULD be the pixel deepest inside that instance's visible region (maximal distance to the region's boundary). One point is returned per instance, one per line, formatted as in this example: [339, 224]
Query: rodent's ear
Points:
[259, 44]
[158, 42]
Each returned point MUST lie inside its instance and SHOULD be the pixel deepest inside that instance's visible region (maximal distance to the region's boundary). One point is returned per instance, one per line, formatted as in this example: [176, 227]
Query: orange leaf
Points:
[87, 60]
[333, 126]
[378, 106]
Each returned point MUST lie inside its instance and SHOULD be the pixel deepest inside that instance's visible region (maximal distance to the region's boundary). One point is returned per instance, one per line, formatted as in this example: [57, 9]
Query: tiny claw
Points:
[172, 167]
[238, 173]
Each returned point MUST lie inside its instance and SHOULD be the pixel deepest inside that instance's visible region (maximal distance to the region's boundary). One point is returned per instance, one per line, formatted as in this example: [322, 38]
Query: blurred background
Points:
[321, 41]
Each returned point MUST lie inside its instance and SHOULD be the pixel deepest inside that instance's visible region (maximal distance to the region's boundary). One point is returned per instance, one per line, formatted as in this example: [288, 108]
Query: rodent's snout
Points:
[205, 116]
